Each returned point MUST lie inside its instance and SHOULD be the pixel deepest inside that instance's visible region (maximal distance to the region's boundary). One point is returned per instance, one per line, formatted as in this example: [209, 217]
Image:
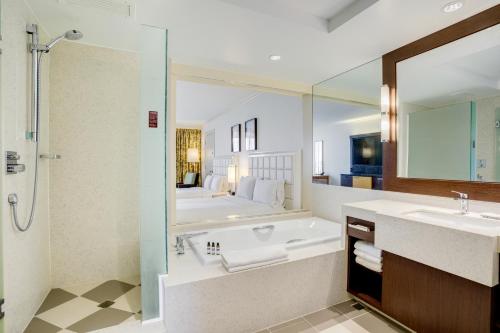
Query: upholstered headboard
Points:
[285, 166]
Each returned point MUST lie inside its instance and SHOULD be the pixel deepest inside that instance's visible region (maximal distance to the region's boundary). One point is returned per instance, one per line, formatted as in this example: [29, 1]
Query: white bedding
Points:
[215, 209]
[196, 192]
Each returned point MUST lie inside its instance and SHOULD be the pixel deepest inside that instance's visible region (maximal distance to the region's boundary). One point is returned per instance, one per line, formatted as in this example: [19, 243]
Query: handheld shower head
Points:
[73, 35]
[69, 35]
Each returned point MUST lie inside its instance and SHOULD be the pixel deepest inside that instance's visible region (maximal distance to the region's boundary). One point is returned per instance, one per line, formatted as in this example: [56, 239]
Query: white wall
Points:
[26, 256]
[279, 126]
[335, 133]
[94, 103]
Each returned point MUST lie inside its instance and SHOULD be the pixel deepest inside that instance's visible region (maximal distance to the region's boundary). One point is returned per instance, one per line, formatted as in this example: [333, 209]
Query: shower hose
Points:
[13, 197]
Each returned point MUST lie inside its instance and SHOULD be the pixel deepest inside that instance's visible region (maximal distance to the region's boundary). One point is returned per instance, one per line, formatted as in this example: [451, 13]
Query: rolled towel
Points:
[368, 248]
[368, 257]
[367, 264]
[239, 260]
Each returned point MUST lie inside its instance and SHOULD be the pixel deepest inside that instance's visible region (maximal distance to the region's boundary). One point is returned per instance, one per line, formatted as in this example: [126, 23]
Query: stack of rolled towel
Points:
[238, 260]
[368, 256]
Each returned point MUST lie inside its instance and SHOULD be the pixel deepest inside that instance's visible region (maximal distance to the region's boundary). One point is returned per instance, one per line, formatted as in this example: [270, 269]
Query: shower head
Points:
[69, 35]
[73, 35]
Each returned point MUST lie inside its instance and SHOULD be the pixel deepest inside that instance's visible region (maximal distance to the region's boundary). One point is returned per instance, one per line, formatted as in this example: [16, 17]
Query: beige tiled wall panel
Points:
[94, 117]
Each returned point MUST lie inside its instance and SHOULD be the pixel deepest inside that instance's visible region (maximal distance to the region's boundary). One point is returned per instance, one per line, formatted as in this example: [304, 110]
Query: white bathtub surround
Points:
[26, 256]
[251, 300]
[313, 278]
[94, 187]
[468, 251]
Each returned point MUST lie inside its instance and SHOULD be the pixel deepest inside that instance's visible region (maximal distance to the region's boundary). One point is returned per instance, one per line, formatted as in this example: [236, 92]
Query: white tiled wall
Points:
[26, 256]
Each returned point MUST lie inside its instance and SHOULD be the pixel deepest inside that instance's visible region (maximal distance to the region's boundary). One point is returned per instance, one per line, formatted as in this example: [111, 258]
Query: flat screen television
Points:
[366, 154]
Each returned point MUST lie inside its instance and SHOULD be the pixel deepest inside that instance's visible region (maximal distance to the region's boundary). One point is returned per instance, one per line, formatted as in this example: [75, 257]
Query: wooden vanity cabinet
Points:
[421, 297]
[429, 300]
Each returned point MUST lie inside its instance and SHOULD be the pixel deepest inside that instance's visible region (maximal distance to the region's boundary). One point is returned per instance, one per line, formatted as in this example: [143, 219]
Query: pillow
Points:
[266, 191]
[190, 178]
[217, 184]
[246, 187]
[208, 181]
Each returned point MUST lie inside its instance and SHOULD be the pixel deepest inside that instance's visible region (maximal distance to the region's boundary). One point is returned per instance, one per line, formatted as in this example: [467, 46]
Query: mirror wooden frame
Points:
[476, 190]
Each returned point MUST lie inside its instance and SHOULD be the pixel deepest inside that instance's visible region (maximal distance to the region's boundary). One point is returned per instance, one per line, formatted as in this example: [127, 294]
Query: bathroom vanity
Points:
[440, 268]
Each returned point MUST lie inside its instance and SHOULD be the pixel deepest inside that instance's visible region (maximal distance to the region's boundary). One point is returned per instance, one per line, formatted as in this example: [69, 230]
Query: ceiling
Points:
[331, 112]
[239, 35]
[196, 103]
[467, 69]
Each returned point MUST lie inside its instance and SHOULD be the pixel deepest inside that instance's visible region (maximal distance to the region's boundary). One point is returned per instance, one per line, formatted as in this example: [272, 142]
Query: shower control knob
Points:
[13, 156]
[13, 169]
[12, 198]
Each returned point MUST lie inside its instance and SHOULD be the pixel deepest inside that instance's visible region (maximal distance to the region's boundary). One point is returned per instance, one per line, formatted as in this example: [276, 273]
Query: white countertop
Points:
[467, 251]
[398, 209]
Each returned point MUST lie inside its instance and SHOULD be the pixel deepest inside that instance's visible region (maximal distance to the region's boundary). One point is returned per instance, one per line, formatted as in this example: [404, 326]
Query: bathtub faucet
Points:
[179, 244]
[179, 240]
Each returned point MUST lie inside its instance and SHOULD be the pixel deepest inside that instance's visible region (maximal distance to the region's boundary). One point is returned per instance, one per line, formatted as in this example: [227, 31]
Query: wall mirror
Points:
[448, 111]
[346, 128]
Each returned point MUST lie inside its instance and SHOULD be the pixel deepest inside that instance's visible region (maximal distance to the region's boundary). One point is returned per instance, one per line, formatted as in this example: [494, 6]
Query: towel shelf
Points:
[362, 283]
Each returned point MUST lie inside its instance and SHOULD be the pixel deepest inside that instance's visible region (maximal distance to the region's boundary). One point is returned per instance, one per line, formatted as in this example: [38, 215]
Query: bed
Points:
[284, 167]
[196, 193]
[220, 167]
[220, 208]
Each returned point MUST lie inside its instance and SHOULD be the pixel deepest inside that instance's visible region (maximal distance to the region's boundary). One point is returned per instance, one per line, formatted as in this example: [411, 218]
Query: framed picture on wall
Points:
[251, 134]
[236, 138]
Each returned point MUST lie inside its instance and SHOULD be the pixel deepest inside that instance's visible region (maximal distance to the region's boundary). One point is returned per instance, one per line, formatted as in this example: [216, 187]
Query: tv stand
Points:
[376, 180]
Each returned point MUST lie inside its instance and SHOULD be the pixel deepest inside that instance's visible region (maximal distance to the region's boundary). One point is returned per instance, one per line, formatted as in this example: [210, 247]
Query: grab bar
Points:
[270, 227]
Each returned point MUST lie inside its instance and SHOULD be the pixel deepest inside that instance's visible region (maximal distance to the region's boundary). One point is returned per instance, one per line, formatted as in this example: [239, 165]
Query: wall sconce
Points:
[385, 102]
[231, 177]
[193, 155]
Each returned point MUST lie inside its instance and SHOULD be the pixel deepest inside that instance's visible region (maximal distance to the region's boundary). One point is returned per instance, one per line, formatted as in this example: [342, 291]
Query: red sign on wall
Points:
[153, 119]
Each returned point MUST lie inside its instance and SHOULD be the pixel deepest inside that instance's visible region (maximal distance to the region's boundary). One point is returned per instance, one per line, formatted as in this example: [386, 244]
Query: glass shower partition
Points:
[153, 166]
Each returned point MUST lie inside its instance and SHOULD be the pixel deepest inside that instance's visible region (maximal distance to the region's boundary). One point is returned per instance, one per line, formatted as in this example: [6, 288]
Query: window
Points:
[318, 158]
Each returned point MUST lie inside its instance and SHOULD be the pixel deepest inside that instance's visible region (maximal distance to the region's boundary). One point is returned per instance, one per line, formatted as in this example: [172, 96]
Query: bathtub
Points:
[294, 234]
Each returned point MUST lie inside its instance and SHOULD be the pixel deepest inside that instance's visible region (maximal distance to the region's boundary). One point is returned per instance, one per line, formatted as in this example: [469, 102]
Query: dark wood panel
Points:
[323, 179]
[476, 190]
[368, 236]
[429, 300]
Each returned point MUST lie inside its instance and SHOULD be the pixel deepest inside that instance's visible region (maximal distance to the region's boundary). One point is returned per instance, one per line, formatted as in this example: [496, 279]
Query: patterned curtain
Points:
[185, 139]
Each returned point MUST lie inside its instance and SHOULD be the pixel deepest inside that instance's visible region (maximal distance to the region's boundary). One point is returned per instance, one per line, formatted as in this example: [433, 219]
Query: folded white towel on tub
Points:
[367, 256]
[371, 266]
[239, 260]
[368, 248]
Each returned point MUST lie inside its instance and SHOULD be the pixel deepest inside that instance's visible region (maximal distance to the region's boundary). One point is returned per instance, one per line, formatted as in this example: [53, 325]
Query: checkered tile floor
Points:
[82, 309]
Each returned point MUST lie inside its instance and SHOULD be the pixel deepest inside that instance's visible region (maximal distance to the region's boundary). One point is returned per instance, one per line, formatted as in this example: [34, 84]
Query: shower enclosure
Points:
[95, 145]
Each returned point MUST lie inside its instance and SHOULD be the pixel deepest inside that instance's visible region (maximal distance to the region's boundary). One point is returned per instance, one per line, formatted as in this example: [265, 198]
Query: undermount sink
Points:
[455, 218]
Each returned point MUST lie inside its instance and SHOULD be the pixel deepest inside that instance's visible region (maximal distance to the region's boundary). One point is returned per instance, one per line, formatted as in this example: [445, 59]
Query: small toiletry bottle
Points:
[208, 248]
[213, 248]
[217, 249]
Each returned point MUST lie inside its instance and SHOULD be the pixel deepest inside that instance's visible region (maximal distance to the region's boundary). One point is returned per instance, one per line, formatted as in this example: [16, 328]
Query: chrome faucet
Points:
[179, 244]
[179, 240]
[464, 202]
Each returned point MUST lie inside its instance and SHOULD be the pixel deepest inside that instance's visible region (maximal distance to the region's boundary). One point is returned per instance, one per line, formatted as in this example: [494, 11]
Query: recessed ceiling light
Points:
[274, 57]
[452, 6]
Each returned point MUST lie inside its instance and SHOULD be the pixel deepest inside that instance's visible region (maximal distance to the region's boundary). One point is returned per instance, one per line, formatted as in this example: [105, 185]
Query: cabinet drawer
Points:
[361, 229]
